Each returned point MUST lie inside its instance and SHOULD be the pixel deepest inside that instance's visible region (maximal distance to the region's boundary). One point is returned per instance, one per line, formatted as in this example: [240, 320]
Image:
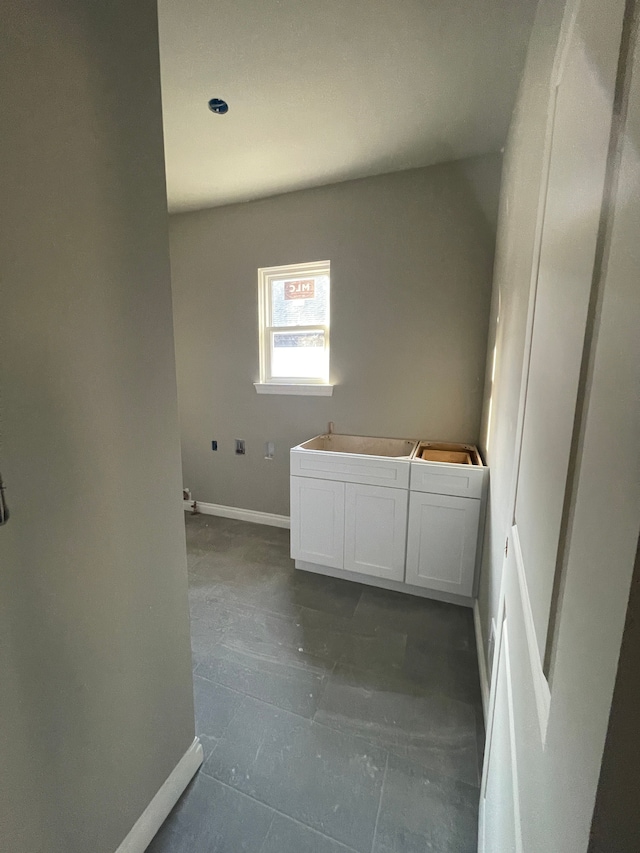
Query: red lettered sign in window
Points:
[302, 289]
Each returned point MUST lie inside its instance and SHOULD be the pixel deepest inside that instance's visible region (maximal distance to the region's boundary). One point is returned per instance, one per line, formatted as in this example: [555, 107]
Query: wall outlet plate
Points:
[240, 447]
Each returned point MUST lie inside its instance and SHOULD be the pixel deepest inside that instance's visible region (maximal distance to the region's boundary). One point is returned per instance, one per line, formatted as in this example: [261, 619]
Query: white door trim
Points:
[482, 664]
[541, 688]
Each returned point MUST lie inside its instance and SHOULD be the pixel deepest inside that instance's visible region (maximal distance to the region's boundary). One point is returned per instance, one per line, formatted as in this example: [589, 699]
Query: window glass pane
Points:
[302, 301]
[298, 355]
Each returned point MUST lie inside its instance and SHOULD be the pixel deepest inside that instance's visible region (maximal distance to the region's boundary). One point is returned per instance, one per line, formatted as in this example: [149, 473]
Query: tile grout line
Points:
[322, 725]
[266, 835]
[325, 684]
[291, 664]
[312, 828]
[217, 683]
[264, 702]
[278, 812]
[218, 740]
[384, 779]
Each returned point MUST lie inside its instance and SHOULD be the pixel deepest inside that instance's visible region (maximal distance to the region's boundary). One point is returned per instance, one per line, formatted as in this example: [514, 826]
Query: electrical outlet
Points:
[214, 445]
[240, 447]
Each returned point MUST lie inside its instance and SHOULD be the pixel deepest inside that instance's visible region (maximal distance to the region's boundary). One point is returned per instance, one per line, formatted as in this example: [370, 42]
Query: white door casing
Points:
[500, 818]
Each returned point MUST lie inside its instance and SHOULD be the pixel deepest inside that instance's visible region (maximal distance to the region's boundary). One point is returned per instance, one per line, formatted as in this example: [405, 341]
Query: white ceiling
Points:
[321, 91]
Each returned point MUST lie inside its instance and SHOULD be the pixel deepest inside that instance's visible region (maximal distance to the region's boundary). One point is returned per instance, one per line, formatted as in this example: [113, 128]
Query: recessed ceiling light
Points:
[218, 106]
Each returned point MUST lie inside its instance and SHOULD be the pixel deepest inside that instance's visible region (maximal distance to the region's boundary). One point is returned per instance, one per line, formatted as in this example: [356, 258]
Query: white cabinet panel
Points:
[465, 481]
[441, 542]
[375, 531]
[350, 468]
[317, 521]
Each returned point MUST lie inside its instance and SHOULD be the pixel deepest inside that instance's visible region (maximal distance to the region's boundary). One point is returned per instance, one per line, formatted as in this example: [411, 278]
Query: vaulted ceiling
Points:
[321, 91]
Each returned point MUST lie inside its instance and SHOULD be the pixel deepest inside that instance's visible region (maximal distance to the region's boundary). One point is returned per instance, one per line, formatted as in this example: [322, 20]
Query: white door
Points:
[317, 521]
[375, 531]
[579, 127]
[441, 542]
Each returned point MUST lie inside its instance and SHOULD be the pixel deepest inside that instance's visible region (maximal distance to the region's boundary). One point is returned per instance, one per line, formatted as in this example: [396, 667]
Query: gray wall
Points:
[95, 681]
[411, 260]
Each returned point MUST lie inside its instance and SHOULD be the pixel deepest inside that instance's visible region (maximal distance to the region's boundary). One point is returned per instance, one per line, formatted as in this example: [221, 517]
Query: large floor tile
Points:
[293, 687]
[214, 818]
[331, 637]
[333, 623]
[289, 836]
[306, 638]
[422, 811]
[332, 595]
[215, 706]
[449, 671]
[442, 625]
[272, 592]
[326, 779]
[398, 715]
[241, 623]
[254, 557]
[382, 653]
[274, 636]
[207, 631]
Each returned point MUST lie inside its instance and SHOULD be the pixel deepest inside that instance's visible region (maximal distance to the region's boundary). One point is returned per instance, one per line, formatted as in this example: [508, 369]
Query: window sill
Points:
[294, 389]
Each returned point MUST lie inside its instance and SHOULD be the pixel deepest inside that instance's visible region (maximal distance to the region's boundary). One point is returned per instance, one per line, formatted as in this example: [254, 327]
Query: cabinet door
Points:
[441, 542]
[317, 521]
[375, 531]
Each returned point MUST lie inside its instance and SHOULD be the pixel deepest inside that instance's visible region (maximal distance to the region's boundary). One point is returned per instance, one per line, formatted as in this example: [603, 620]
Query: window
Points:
[294, 329]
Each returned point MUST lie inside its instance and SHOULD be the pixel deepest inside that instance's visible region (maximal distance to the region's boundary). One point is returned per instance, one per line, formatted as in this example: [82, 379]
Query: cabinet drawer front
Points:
[463, 480]
[351, 468]
[441, 542]
[317, 521]
[375, 531]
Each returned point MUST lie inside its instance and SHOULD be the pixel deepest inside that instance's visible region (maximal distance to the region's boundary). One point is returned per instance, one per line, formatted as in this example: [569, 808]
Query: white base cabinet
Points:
[441, 542]
[403, 523]
[349, 526]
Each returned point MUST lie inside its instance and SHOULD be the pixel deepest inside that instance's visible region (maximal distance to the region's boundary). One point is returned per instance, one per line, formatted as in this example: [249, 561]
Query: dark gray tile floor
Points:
[334, 717]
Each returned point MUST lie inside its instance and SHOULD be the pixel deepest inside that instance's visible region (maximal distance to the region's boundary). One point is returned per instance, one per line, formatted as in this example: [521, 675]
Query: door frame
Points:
[512, 564]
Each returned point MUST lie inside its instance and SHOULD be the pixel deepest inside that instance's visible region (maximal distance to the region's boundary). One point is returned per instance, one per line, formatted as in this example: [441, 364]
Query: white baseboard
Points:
[252, 515]
[158, 809]
[482, 664]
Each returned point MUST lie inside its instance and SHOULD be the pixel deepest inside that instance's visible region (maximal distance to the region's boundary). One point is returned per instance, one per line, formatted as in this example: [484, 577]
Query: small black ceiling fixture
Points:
[218, 106]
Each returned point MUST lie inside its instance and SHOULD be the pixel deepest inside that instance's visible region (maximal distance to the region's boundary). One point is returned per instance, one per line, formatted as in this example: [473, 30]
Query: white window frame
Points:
[289, 385]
